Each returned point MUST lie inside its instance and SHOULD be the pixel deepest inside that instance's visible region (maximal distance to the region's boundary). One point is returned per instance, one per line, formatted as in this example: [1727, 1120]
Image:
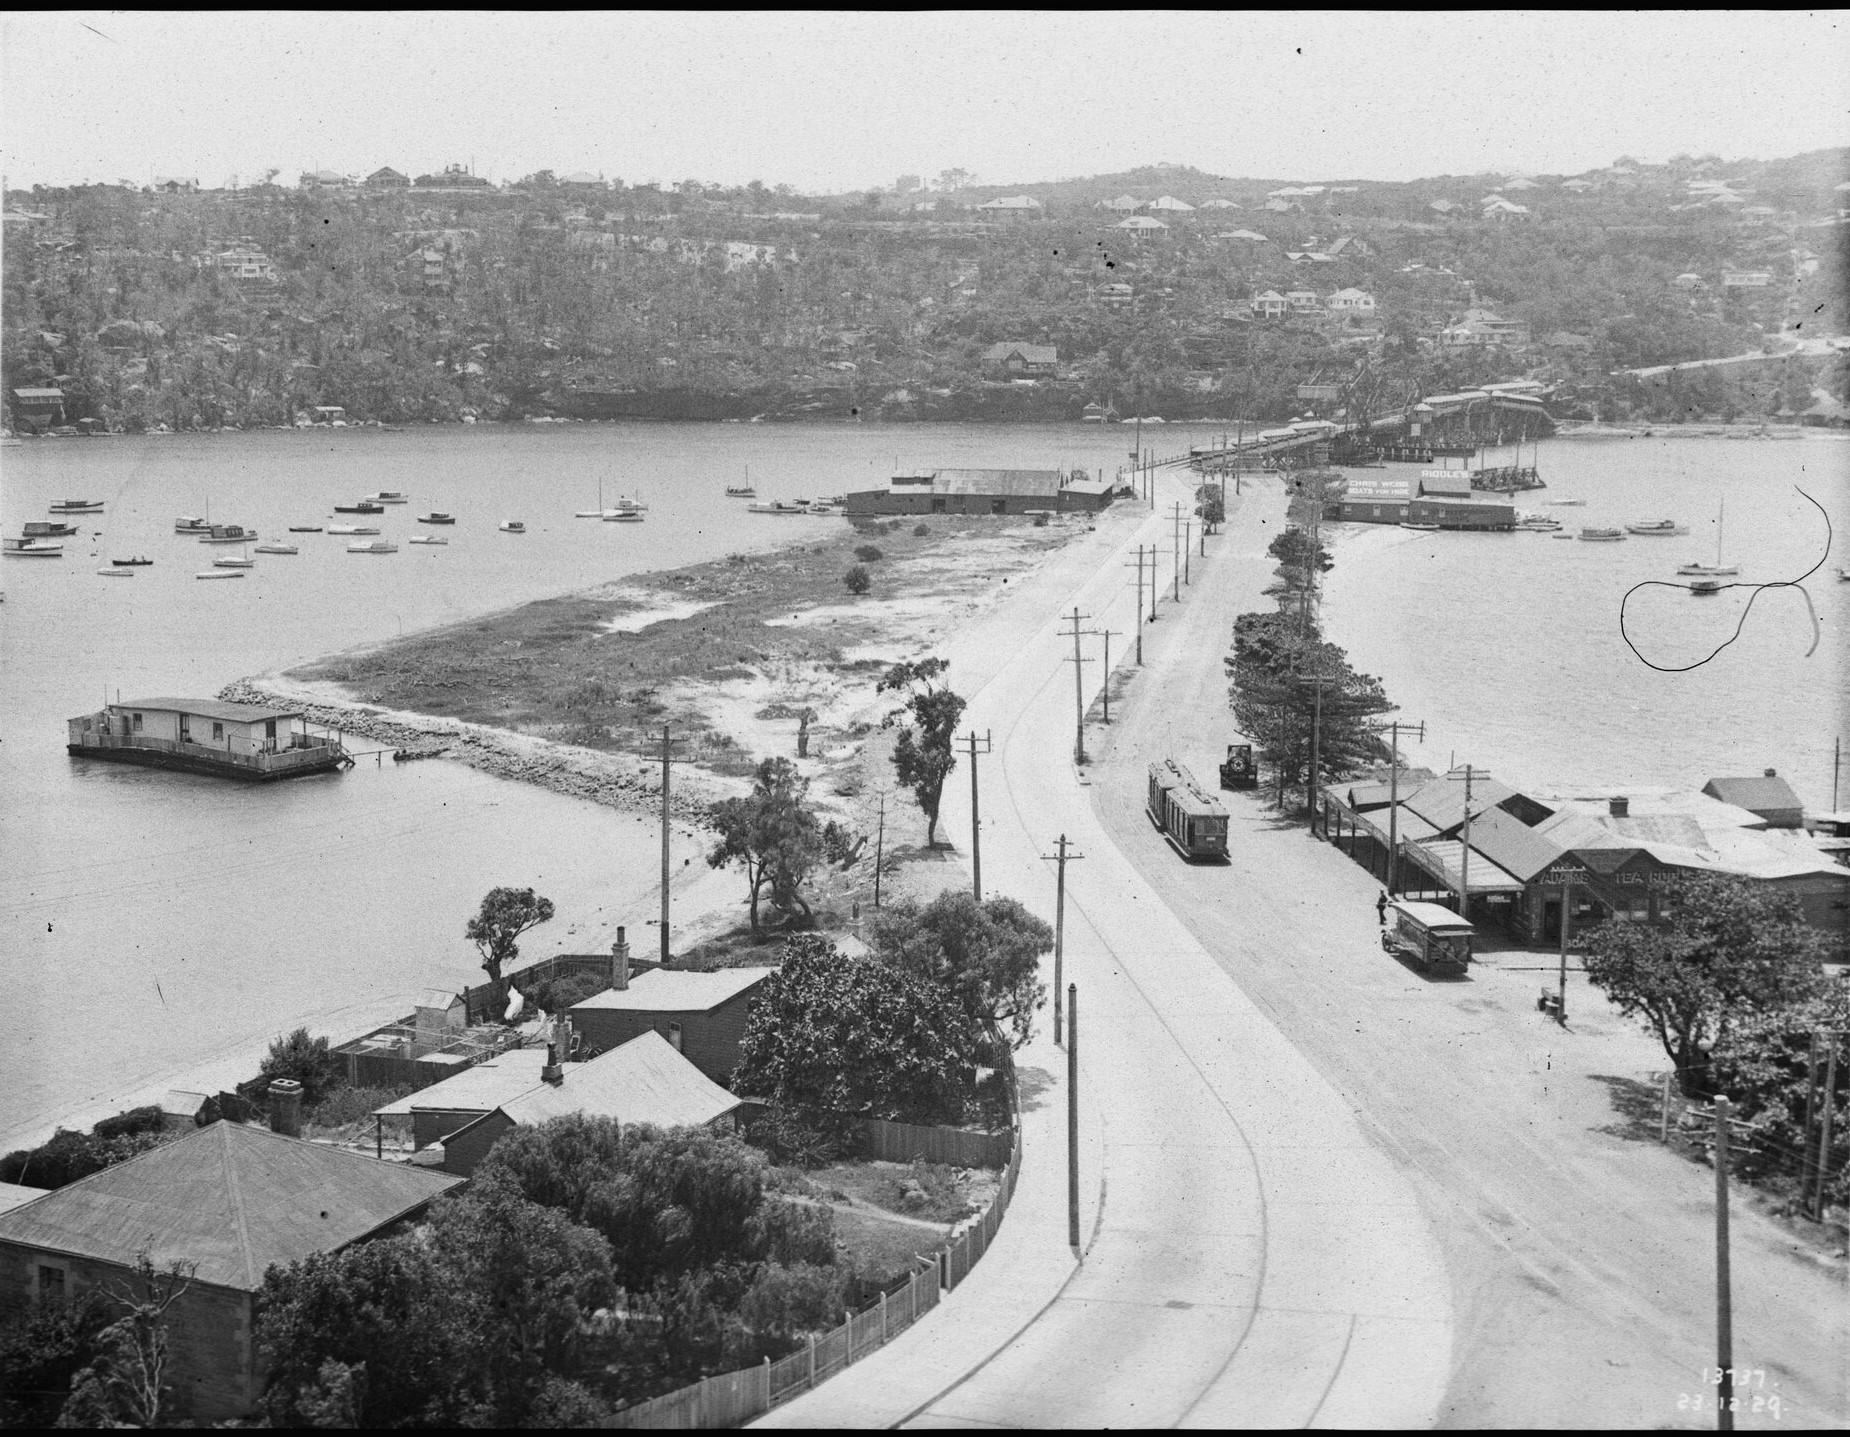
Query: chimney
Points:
[558, 1046]
[620, 962]
[1772, 773]
[1619, 807]
[286, 1107]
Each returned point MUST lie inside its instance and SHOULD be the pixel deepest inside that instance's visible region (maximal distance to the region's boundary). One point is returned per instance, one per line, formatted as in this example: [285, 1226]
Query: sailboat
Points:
[600, 512]
[1718, 568]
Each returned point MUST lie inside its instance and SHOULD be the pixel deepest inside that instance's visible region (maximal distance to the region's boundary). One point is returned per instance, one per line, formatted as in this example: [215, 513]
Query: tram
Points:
[1191, 819]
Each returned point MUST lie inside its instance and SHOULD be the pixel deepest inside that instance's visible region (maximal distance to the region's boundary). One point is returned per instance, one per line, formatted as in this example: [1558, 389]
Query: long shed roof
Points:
[211, 708]
[645, 1080]
[665, 990]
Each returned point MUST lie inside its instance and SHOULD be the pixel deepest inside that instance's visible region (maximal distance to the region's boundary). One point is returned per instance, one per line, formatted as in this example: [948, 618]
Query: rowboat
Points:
[351, 529]
[220, 574]
[1705, 586]
[373, 546]
[1422, 528]
[277, 549]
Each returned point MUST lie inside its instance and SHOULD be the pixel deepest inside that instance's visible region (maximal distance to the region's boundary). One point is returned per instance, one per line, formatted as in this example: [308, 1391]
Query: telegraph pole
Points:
[1176, 539]
[1830, 1104]
[1394, 795]
[1316, 734]
[1062, 858]
[880, 846]
[668, 743]
[1107, 635]
[1139, 605]
[976, 832]
[1724, 1317]
[1072, 1116]
[1464, 855]
[1567, 907]
[1079, 691]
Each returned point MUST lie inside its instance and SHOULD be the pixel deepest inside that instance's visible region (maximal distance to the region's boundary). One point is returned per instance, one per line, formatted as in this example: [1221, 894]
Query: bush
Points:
[555, 995]
[919, 531]
[70, 1155]
[135, 1120]
[869, 554]
[308, 1061]
[351, 1105]
[857, 580]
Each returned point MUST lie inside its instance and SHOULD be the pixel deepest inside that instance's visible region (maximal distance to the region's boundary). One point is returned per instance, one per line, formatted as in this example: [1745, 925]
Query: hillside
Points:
[405, 303]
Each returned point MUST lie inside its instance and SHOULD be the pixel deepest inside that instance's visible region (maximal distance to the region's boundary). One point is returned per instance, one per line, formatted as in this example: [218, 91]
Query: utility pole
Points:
[1724, 1317]
[1394, 795]
[1464, 855]
[1567, 907]
[1107, 635]
[1187, 527]
[1176, 542]
[1072, 1116]
[976, 831]
[1139, 605]
[1824, 1140]
[1837, 758]
[880, 843]
[1079, 691]
[668, 743]
[1316, 735]
[1062, 858]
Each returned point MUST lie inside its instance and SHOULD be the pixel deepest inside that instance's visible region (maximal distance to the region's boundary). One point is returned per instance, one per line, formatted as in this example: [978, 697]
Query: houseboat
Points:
[47, 529]
[1596, 535]
[77, 506]
[246, 741]
[1658, 528]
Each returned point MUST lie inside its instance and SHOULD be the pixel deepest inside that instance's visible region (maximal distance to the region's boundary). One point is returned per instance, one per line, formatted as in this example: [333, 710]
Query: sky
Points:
[831, 102]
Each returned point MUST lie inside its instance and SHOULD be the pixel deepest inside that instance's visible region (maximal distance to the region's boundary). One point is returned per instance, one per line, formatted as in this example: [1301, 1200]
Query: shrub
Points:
[919, 531]
[555, 995]
[869, 554]
[308, 1061]
[857, 580]
[351, 1105]
[135, 1120]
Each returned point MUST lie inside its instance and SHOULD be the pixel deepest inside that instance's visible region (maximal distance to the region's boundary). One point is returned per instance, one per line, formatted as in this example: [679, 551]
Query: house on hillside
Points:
[1269, 304]
[325, 180]
[1022, 361]
[1013, 207]
[1243, 236]
[1123, 204]
[1169, 204]
[1358, 303]
[1484, 329]
[231, 1201]
[1498, 208]
[386, 178]
[702, 1015]
[1281, 206]
[1303, 301]
[173, 185]
[1141, 226]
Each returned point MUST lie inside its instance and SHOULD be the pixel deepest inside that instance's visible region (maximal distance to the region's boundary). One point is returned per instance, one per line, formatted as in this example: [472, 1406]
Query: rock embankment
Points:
[616, 781]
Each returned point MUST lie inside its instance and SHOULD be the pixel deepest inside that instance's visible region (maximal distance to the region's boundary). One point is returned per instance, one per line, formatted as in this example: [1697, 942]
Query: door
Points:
[186, 729]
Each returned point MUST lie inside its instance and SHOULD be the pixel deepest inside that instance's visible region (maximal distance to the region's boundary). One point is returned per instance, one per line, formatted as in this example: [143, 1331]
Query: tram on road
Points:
[1189, 817]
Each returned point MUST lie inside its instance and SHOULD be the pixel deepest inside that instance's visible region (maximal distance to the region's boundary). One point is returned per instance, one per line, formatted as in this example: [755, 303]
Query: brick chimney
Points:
[558, 1048]
[620, 962]
[286, 1107]
[1619, 807]
[1772, 773]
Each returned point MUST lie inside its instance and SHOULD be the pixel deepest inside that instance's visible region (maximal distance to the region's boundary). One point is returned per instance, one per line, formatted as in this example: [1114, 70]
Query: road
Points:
[1580, 1252]
[1801, 349]
[1252, 1256]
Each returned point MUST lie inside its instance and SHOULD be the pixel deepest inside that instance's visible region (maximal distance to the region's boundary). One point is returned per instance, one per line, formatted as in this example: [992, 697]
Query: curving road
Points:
[1251, 1254]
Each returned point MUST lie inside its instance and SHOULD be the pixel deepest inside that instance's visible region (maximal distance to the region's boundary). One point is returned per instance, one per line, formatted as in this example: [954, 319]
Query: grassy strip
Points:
[554, 668]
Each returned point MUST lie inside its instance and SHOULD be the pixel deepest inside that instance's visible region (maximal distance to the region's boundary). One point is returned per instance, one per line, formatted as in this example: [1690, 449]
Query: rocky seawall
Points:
[625, 782]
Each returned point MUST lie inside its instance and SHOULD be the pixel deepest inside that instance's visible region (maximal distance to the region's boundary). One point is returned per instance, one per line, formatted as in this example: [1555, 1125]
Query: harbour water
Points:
[154, 919]
[1509, 646]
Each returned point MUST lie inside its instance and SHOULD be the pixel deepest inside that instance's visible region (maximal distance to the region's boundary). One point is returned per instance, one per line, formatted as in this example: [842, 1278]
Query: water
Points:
[1509, 646]
[154, 919]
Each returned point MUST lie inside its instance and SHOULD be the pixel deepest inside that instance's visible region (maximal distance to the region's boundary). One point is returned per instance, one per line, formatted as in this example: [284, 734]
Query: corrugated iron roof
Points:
[1756, 794]
[1364, 487]
[1442, 802]
[231, 1199]
[1485, 877]
[480, 1089]
[664, 990]
[645, 1080]
[12, 1195]
[211, 709]
[1511, 844]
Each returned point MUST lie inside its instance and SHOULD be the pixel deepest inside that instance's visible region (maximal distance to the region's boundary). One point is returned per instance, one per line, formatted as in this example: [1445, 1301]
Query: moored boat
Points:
[513, 526]
[305, 528]
[351, 529]
[77, 506]
[276, 549]
[373, 546]
[116, 573]
[436, 516]
[1595, 535]
[388, 496]
[234, 561]
[228, 534]
[139, 561]
[1422, 528]
[741, 491]
[32, 549]
[205, 735]
[47, 529]
[426, 539]
[779, 506]
[1565, 503]
[1705, 586]
[623, 516]
[187, 524]
[1658, 528]
[220, 574]
[365, 506]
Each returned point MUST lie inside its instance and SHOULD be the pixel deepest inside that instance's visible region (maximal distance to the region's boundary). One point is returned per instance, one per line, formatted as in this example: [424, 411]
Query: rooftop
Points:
[666, 990]
[231, 1199]
[211, 709]
[480, 1089]
[645, 1080]
[1757, 794]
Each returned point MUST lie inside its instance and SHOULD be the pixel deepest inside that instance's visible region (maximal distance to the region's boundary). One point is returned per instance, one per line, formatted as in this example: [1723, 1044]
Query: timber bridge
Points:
[1438, 425]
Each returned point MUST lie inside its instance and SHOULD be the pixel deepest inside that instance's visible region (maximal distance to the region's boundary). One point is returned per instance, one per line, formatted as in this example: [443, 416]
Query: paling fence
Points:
[731, 1399]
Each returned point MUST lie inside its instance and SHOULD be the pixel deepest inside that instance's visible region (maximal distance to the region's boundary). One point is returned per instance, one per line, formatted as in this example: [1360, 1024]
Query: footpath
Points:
[1248, 1255]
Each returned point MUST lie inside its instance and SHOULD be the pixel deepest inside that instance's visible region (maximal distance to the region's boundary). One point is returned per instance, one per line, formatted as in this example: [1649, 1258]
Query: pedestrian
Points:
[1381, 908]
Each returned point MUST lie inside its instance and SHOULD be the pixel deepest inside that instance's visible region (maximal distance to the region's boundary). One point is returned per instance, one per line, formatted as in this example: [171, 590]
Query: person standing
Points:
[1381, 907]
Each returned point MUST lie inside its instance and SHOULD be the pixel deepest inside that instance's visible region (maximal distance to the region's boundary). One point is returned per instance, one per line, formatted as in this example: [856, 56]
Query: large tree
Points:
[833, 1036]
[128, 1382]
[924, 756]
[505, 914]
[773, 833]
[986, 955]
[1732, 949]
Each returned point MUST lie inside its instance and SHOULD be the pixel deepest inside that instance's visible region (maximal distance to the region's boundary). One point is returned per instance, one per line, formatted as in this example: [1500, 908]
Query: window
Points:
[218, 732]
[51, 1283]
[674, 1035]
[136, 720]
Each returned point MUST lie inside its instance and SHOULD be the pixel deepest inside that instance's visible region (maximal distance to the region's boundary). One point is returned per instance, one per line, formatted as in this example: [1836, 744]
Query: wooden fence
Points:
[731, 1399]
[904, 1142]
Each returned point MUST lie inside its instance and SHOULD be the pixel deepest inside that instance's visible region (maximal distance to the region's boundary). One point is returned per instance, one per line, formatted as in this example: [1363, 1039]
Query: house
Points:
[1358, 302]
[1280, 206]
[325, 180]
[1308, 257]
[1348, 247]
[1141, 225]
[1244, 236]
[36, 407]
[247, 741]
[1023, 361]
[1123, 204]
[173, 185]
[701, 1014]
[1768, 797]
[1482, 328]
[182, 1111]
[1498, 208]
[245, 262]
[1462, 511]
[386, 178]
[231, 1201]
[1013, 207]
[1746, 279]
[1303, 301]
[982, 491]
[584, 180]
[1169, 204]
[1269, 304]
[443, 1107]
[454, 177]
[644, 1080]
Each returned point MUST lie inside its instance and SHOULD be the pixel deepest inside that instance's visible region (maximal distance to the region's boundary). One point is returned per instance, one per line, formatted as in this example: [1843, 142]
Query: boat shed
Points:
[982, 491]
[1449, 512]
[1449, 483]
[1375, 499]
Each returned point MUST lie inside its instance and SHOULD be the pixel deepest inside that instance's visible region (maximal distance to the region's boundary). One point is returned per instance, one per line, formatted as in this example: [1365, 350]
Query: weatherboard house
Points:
[254, 742]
